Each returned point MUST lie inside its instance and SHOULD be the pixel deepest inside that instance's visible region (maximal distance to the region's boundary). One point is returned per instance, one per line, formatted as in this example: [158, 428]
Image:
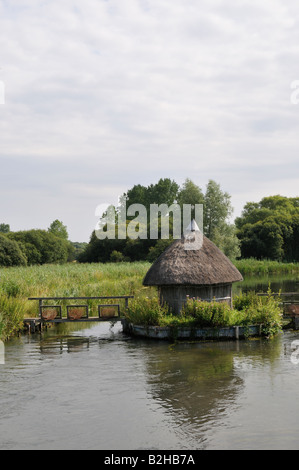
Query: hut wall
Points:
[175, 296]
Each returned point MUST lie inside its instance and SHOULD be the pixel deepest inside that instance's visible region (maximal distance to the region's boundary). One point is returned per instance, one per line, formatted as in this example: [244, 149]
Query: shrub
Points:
[11, 253]
[249, 309]
[42, 247]
[147, 312]
[208, 314]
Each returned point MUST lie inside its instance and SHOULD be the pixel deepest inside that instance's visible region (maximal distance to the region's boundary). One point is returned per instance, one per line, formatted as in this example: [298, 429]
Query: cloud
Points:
[102, 95]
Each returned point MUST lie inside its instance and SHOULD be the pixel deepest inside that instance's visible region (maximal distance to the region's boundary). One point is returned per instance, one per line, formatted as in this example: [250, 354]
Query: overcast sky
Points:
[104, 94]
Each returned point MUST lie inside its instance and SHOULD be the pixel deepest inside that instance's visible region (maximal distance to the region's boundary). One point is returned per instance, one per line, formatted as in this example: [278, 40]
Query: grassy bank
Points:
[71, 280]
[254, 267]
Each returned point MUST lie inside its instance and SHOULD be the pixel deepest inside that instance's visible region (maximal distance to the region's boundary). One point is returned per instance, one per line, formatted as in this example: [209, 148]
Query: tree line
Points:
[36, 247]
[268, 229]
[217, 210]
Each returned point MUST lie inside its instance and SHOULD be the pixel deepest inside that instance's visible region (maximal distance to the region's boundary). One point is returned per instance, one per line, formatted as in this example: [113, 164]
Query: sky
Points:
[101, 95]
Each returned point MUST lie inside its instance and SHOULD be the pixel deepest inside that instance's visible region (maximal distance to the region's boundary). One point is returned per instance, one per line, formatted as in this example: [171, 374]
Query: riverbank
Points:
[71, 280]
[255, 267]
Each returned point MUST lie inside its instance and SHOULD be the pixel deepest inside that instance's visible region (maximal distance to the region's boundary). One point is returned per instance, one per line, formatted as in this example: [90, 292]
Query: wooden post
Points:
[40, 308]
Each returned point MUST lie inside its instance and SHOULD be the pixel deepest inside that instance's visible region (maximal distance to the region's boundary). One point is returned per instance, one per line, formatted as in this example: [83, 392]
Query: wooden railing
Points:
[106, 311]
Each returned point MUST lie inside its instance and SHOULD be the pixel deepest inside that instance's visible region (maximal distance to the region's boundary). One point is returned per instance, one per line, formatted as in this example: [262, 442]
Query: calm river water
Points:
[96, 388]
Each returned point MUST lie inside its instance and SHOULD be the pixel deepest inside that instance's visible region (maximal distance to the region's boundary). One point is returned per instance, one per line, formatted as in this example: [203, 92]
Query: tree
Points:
[58, 229]
[41, 247]
[225, 237]
[269, 229]
[11, 253]
[217, 208]
[190, 193]
[4, 228]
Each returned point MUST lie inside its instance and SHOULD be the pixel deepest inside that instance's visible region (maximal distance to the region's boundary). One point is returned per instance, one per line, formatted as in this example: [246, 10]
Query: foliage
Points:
[217, 209]
[254, 266]
[11, 253]
[158, 249]
[90, 280]
[58, 229]
[4, 228]
[41, 247]
[146, 311]
[263, 310]
[270, 229]
[209, 314]
[68, 280]
[248, 309]
[11, 316]
[117, 257]
[190, 193]
[224, 236]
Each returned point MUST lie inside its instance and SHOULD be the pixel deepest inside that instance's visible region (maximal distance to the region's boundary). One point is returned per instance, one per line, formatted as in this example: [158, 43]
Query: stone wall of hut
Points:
[175, 296]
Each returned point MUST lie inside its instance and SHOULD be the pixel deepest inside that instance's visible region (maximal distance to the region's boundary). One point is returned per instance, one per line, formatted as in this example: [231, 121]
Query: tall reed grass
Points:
[70, 280]
[253, 266]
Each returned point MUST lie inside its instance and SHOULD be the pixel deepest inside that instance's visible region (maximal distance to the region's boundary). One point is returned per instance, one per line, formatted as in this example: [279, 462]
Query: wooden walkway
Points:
[75, 313]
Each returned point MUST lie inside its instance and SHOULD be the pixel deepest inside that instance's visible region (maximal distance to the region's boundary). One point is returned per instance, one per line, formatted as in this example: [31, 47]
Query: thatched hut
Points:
[204, 273]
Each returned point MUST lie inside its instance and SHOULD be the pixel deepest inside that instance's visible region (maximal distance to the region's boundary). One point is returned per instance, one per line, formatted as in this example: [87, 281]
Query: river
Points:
[96, 388]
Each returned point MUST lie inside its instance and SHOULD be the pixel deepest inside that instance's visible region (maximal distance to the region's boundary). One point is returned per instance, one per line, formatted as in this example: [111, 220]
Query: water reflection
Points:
[285, 283]
[199, 384]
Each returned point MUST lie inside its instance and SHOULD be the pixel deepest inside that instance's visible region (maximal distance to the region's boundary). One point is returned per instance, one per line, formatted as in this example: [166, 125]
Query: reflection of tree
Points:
[260, 283]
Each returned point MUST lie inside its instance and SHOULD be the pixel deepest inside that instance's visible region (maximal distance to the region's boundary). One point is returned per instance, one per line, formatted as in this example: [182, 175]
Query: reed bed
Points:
[70, 280]
[254, 267]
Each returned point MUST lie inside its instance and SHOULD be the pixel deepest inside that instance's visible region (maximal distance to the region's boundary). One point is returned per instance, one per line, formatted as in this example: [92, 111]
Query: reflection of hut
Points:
[181, 271]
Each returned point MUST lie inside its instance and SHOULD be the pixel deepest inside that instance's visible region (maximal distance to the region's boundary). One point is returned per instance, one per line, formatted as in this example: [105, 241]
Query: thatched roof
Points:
[204, 266]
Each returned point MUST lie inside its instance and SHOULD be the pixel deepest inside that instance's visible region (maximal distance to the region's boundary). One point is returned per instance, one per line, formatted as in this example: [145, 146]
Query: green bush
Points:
[248, 309]
[11, 253]
[263, 310]
[210, 314]
[42, 247]
[146, 312]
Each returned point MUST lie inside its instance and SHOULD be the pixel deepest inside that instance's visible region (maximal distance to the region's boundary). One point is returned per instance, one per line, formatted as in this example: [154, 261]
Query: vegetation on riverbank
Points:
[68, 280]
[248, 309]
[256, 267]
[73, 279]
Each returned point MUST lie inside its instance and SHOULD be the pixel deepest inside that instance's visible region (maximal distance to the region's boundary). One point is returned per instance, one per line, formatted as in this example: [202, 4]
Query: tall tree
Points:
[270, 229]
[4, 228]
[217, 208]
[58, 229]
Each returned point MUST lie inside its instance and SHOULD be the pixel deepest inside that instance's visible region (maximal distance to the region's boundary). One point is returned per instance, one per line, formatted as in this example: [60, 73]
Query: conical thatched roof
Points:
[180, 266]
